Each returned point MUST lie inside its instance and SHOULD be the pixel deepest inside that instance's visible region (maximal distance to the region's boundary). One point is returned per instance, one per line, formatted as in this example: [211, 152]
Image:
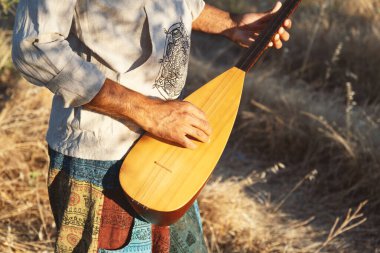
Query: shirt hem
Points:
[88, 153]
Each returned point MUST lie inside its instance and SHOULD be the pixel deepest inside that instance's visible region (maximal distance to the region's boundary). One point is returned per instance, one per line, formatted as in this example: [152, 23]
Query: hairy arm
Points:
[172, 120]
[178, 121]
[240, 28]
[213, 20]
[45, 58]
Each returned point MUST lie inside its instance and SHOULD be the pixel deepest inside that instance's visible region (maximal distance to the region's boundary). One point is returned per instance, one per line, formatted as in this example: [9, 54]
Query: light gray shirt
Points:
[71, 46]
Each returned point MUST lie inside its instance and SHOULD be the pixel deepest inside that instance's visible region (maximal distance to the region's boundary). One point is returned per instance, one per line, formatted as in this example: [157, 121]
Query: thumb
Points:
[276, 7]
[268, 15]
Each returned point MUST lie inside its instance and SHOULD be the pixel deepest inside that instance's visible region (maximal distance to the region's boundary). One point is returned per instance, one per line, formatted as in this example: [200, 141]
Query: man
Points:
[116, 68]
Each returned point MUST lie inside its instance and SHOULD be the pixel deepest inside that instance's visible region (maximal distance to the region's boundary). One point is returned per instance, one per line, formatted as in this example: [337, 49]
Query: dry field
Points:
[301, 172]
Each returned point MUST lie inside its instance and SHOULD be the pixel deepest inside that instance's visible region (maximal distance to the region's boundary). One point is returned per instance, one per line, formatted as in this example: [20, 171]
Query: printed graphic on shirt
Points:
[172, 75]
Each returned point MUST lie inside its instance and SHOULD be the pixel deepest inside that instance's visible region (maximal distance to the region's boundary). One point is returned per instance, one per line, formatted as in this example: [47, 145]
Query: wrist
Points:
[141, 110]
[213, 20]
[230, 24]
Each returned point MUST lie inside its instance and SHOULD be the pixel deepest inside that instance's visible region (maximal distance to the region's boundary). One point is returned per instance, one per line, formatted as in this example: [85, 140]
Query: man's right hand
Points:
[173, 120]
[176, 121]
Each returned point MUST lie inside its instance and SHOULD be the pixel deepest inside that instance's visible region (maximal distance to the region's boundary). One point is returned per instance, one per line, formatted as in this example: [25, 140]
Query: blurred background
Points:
[301, 172]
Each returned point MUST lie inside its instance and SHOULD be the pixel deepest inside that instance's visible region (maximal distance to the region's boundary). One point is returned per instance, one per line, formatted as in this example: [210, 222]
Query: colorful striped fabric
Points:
[93, 215]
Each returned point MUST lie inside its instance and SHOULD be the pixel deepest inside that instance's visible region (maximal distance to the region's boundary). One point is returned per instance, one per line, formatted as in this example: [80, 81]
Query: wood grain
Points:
[162, 178]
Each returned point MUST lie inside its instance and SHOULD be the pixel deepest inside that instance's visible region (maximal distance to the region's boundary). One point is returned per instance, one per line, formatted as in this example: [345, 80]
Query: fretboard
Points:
[252, 55]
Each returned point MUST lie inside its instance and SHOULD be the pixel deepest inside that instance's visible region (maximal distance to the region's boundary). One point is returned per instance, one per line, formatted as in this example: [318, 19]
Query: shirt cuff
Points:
[196, 7]
[77, 83]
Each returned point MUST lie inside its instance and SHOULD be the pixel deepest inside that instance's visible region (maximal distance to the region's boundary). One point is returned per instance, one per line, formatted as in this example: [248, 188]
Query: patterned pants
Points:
[93, 215]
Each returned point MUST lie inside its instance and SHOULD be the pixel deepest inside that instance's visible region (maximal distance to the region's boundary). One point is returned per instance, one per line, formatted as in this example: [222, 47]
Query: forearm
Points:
[170, 120]
[121, 103]
[242, 29]
[214, 21]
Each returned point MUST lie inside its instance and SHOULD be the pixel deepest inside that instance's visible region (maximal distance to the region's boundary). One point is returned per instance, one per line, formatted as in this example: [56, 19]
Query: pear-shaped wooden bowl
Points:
[162, 179]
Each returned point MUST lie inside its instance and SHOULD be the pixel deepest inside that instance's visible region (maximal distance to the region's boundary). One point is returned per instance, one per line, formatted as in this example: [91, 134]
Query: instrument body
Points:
[161, 179]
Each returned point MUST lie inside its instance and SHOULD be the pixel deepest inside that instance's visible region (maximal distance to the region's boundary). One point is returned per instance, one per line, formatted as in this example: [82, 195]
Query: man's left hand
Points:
[247, 27]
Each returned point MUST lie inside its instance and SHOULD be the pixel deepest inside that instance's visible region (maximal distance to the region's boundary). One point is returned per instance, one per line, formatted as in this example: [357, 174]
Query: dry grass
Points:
[5, 55]
[314, 107]
[238, 224]
[25, 219]
[298, 112]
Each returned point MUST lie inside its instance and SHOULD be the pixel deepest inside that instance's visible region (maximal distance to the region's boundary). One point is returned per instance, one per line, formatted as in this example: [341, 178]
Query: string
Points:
[167, 156]
[229, 78]
[261, 43]
[255, 49]
[263, 40]
[265, 37]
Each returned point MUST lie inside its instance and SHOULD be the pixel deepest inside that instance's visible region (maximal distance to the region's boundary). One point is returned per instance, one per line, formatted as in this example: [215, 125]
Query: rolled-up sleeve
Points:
[196, 7]
[43, 55]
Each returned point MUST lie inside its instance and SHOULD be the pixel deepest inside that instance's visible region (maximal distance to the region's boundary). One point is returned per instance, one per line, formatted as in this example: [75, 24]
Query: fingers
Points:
[196, 129]
[281, 36]
[276, 7]
[254, 23]
[187, 143]
[247, 38]
[277, 41]
[197, 134]
[178, 122]
[194, 126]
[198, 119]
[267, 16]
[288, 24]
[190, 133]
[284, 35]
[185, 137]
[201, 125]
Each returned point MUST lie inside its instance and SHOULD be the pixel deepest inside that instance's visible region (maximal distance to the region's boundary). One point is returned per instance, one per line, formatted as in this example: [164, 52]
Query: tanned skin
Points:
[178, 121]
[242, 29]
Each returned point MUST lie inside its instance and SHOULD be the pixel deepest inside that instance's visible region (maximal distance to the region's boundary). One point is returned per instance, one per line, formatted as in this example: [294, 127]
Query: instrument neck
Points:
[252, 55]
